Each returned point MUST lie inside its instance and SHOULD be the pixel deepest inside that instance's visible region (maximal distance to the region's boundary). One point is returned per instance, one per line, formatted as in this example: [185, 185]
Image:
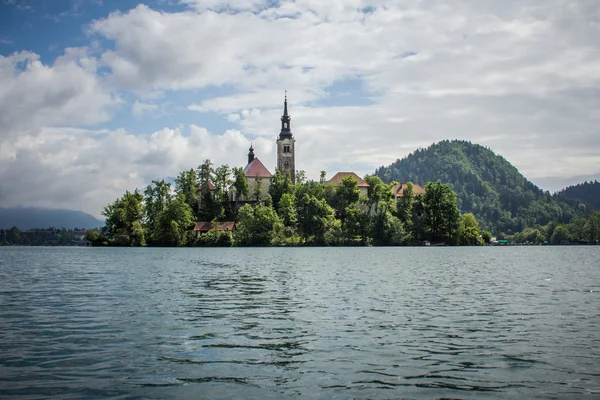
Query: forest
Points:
[43, 237]
[502, 199]
[585, 194]
[307, 213]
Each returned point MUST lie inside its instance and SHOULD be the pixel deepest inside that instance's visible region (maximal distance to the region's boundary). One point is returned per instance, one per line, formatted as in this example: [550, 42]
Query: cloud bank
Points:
[368, 83]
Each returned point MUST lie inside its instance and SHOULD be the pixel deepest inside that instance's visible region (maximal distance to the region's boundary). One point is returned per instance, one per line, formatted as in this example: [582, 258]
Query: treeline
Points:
[584, 229]
[304, 213]
[585, 196]
[486, 184]
[42, 237]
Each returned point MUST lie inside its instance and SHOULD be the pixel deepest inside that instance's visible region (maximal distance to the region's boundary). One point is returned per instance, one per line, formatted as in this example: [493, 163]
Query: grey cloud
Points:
[520, 77]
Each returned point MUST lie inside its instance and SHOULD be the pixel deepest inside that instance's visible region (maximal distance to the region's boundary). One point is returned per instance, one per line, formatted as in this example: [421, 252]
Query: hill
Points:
[587, 193]
[33, 217]
[486, 184]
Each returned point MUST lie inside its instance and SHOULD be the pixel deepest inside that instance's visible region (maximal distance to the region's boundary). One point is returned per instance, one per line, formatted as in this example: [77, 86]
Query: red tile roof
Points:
[211, 187]
[256, 169]
[417, 189]
[339, 177]
[217, 226]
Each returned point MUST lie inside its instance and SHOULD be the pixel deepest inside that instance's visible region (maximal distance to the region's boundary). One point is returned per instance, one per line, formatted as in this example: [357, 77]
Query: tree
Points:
[315, 217]
[121, 218]
[469, 234]
[205, 171]
[404, 205]
[206, 209]
[222, 183]
[257, 225]
[560, 235]
[322, 179]
[240, 184]
[378, 191]
[345, 195]
[186, 185]
[13, 236]
[486, 236]
[386, 229]
[418, 224]
[92, 235]
[300, 177]
[156, 200]
[279, 186]
[257, 195]
[442, 216]
[177, 222]
[287, 210]
[357, 225]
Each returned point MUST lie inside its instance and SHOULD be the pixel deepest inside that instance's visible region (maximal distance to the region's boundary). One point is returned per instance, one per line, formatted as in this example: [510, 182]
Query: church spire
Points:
[286, 130]
[251, 154]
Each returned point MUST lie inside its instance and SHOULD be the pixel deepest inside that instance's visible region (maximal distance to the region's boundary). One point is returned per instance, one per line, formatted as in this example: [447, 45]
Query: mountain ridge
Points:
[38, 217]
[486, 184]
[586, 193]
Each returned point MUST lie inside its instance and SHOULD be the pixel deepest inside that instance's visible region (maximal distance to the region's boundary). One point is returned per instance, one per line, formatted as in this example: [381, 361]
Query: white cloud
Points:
[138, 108]
[226, 5]
[85, 170]
[33, 94]
[520, 77]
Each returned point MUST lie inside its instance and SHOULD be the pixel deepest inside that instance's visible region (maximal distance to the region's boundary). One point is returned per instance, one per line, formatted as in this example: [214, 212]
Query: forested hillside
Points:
[32, 217]
[587, 193]
[486, 184]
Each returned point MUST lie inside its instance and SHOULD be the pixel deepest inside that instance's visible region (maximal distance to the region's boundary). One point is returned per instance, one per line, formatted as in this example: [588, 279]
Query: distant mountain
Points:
[587, 193]
[33, 217]
[486, 185]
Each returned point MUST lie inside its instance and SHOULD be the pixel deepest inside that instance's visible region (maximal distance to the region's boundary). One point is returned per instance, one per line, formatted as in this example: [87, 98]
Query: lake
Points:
[325, 323]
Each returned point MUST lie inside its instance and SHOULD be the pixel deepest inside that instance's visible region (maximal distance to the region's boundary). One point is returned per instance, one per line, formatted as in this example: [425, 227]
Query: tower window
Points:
[285, 125]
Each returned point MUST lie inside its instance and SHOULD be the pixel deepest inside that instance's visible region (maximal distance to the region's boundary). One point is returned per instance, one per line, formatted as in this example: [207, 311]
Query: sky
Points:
[102, 96]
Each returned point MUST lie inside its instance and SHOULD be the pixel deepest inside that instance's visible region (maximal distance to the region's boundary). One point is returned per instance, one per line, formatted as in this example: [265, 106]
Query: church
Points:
[258, 175]
[256, 172]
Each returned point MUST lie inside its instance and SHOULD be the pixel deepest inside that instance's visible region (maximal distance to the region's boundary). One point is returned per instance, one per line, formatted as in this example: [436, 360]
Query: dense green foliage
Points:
[44, 237]
[305, 213]
[584, 229]
[486, 185]
[585, 194]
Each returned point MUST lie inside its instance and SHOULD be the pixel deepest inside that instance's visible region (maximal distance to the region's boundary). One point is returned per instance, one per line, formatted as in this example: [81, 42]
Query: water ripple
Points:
[310, 323]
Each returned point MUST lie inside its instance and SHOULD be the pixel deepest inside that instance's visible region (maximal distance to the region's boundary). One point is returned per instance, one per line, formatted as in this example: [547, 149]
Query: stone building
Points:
[256, 174]
[286, 152]
[337, 179]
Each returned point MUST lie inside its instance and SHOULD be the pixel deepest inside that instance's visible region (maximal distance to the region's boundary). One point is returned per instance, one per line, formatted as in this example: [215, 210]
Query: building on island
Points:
[337, 179]
[255, 171]
[398, 190]
[256, 174]
[203, 227]
[286, 154]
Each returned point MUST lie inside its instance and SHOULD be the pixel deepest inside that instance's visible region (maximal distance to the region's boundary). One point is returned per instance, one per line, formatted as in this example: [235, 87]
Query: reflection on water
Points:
[319, 323]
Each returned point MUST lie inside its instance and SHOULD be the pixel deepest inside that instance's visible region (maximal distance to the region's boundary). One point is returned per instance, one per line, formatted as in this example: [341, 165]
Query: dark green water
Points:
[308, 323]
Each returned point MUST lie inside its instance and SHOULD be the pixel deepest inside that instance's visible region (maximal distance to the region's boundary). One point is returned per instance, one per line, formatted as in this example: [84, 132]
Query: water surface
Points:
[308, 323]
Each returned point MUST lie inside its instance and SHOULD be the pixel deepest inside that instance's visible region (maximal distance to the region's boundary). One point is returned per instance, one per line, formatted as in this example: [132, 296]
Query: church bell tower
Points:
[286, 156]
